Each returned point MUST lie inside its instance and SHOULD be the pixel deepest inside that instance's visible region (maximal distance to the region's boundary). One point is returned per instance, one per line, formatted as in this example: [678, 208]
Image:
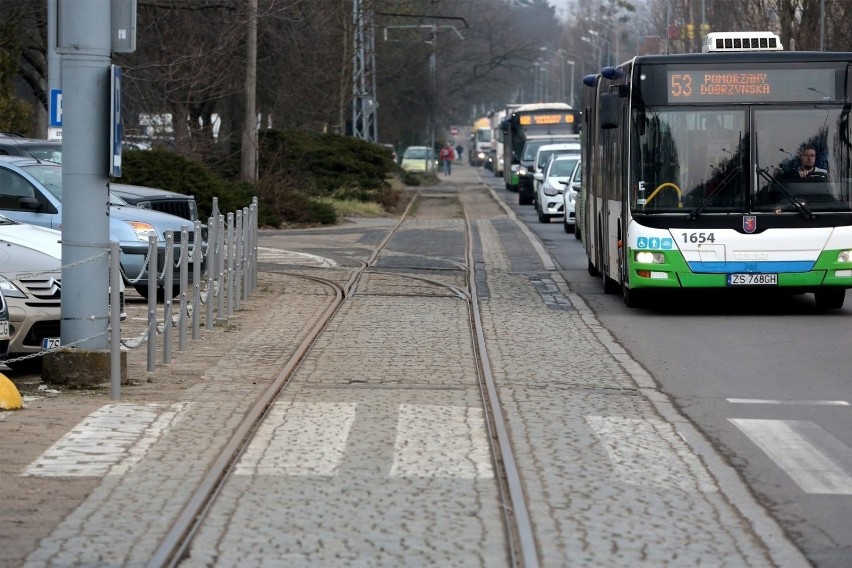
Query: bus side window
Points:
[609, 110]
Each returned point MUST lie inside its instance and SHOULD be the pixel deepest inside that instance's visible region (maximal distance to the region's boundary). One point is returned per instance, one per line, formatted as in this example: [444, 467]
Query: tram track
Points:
[175, 546]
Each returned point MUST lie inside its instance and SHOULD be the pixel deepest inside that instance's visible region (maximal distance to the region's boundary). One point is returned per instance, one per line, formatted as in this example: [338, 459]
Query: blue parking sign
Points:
[56, 108]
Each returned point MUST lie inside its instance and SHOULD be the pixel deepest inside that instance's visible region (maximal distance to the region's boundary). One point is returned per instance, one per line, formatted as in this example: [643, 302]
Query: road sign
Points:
[116, 130]
[56, 108]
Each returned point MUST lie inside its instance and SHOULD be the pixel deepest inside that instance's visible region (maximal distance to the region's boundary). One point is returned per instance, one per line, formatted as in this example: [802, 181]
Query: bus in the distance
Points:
[542, 121]
[730, 168]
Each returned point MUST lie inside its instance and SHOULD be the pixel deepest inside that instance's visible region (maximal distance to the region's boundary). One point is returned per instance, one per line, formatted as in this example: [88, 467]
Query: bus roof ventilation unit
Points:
[718, 42]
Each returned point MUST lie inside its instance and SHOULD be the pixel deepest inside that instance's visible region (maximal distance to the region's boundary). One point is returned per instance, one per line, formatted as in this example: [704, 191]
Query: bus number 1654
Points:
[698, 238]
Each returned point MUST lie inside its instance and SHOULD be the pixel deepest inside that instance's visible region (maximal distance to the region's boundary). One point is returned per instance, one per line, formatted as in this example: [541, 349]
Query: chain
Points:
[46, 351]
[144, 266]
[71, 265]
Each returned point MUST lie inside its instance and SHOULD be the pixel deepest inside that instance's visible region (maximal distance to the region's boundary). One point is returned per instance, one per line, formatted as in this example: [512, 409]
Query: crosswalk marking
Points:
[814, 459]
[790, 402]
[649, 453]
[299, 439]
[278, 256]
[109, 441]
[441, 441]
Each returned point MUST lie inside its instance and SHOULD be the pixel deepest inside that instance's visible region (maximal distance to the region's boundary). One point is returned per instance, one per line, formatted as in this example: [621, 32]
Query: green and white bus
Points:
[730, 168]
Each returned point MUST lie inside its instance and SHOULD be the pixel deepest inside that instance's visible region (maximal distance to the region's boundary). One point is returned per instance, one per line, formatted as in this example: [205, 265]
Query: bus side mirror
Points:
[609, 110]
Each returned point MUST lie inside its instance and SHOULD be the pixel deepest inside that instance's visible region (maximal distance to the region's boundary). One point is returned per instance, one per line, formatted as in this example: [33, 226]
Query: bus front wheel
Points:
[830, 298]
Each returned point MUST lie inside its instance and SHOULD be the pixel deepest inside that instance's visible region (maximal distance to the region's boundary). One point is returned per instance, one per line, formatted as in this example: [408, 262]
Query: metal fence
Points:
[215, 275]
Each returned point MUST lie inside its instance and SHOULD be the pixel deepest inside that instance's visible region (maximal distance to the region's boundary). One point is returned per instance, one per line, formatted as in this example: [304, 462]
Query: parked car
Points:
[4, 327]
[552, 184]
[419, 159]
[14, 145]
[30, 281]
[34, 266]
[162, 200]
[31, 192]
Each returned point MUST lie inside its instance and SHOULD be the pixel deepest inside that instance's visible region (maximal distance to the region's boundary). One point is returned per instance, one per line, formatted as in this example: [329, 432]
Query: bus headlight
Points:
[844, 256]
[648, 257]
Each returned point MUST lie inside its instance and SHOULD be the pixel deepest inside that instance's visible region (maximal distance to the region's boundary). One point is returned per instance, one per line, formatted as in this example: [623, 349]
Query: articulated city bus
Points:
[730, 168]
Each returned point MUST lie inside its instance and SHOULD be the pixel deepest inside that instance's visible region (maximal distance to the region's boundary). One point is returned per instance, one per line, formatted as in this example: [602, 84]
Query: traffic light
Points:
[690, 31]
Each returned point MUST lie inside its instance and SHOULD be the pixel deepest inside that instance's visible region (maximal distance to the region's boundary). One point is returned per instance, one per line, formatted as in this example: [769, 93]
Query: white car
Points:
[570, 198]
[544, 153]
[552, 184]
[31, 283]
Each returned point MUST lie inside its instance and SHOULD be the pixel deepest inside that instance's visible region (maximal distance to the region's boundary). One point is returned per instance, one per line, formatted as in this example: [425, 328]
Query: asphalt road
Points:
[764, 378]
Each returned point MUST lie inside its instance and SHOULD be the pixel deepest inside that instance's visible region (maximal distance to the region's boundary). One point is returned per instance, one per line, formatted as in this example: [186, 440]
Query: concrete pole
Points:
[85, 54]
[249, 145]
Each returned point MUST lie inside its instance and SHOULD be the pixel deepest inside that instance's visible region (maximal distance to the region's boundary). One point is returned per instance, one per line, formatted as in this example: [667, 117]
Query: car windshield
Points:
[48, 153]
[49, 175]
[416, 153]
[531, 148]
[562, 168]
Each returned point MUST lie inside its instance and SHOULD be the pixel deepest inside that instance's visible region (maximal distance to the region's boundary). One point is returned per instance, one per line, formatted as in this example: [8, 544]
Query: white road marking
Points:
[814, 459]
[441, 441]
[299, 439]
[791, 402]
[650, 453]
[278, 256]
[109, 441]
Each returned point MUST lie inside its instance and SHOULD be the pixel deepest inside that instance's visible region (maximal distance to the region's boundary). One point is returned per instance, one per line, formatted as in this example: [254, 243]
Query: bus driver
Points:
[807, 167]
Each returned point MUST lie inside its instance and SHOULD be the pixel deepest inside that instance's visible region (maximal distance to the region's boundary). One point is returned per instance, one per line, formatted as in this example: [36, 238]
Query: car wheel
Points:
[577, 234]
[542, 218]
[830, 298]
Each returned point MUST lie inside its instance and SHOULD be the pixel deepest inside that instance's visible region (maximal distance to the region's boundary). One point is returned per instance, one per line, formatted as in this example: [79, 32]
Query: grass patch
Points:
[355, 208]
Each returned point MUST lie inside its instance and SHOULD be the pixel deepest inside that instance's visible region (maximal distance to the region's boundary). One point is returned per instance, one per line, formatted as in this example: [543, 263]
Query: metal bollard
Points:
[230, 250]
[152, 303]
[168, 283]
[238, 264]
[197, 257]
[184, 284]
[220, 268]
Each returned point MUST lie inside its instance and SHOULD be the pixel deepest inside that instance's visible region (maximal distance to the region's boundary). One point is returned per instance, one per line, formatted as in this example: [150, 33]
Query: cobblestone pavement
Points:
[376, 454]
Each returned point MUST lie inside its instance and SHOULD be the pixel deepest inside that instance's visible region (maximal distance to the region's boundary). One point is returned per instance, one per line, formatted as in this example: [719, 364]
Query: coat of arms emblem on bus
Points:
[749, 223]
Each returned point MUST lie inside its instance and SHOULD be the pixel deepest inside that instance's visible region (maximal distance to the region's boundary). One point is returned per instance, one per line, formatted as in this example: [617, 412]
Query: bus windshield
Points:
[740, 159]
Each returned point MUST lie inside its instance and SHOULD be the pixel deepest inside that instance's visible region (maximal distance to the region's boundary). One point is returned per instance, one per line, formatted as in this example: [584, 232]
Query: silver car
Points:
[31, 192]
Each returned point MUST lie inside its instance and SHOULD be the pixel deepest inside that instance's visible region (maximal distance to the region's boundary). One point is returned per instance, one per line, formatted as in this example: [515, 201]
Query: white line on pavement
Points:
[299, 438]
[814, 459]
[109, 441]
[441, 441]
[791, 402]
[266, 254]
[650, 453]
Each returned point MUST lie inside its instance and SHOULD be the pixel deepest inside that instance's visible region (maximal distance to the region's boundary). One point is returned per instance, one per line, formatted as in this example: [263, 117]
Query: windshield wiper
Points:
[712, 195]
[800, 207]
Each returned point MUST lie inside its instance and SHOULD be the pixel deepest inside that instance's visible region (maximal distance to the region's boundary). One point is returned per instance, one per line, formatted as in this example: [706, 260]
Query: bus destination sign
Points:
[776, 85]
[548, 119]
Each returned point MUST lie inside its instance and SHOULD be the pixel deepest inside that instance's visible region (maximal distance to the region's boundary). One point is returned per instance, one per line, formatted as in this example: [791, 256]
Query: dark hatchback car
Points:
[162, 200]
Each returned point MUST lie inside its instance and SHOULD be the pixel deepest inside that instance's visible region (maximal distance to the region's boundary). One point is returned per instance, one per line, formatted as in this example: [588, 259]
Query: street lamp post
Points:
[599, 37]
[562, 79]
